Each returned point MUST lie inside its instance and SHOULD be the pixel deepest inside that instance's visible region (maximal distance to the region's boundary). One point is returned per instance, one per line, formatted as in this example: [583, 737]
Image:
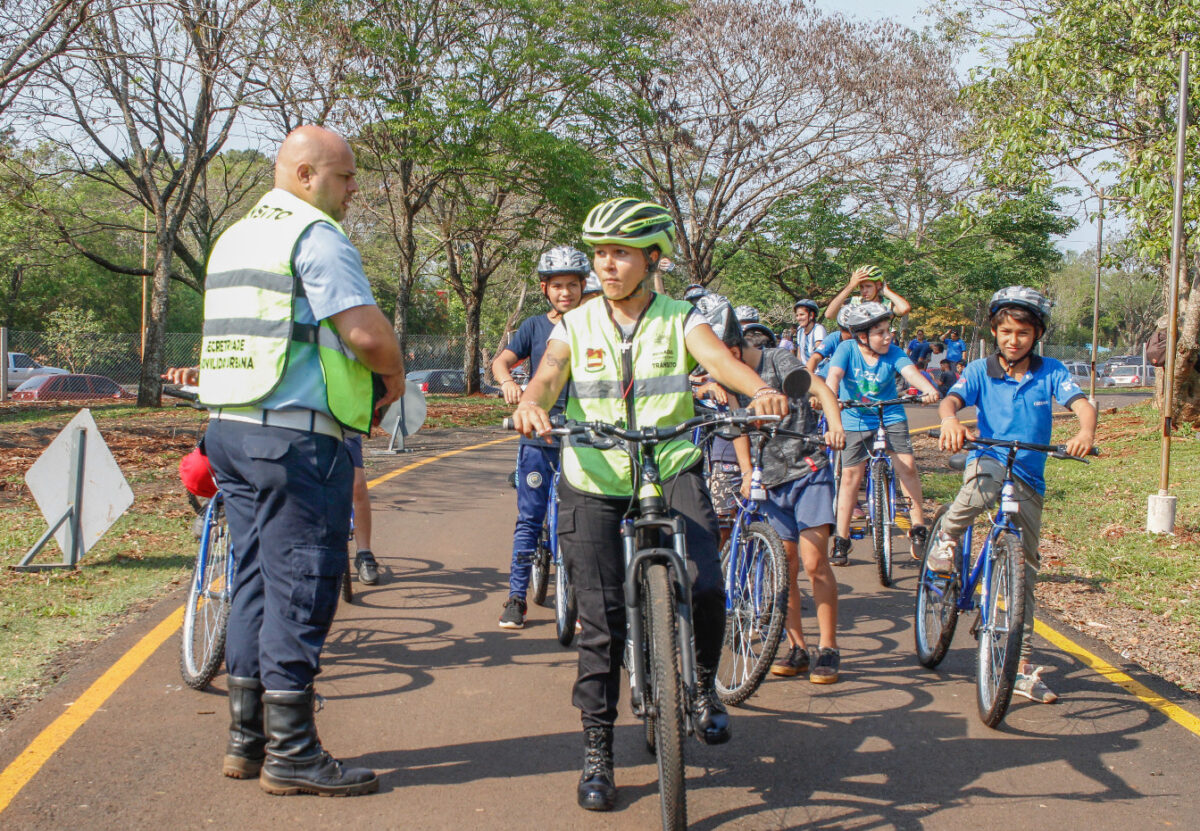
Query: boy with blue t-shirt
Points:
[562, 272]
[1012, 392]
[864, 369]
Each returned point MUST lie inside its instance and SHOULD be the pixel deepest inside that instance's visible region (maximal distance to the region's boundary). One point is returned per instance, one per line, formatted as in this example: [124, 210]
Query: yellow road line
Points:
[1103, 668]
[52, 738]
[32, 758]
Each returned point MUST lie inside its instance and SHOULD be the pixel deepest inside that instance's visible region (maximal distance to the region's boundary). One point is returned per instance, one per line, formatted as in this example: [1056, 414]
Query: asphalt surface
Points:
[471, 726]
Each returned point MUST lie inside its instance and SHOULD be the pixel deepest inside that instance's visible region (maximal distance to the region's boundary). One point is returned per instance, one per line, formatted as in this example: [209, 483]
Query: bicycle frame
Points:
[210, 513]
[877, 451]
[981, 571]
[748, 511]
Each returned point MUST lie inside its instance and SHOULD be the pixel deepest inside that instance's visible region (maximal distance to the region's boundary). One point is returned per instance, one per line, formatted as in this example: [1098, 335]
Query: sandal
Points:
[826, 669]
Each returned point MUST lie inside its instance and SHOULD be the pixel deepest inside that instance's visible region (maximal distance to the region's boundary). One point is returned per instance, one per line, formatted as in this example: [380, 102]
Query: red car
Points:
[68, 388]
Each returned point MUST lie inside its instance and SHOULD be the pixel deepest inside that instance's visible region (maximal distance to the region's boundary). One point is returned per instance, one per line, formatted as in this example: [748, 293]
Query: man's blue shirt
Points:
[918, 349]
[529, 341]
[1018, 410]
[864, 382]
[954, 350]
[826, 350]
[331, 272]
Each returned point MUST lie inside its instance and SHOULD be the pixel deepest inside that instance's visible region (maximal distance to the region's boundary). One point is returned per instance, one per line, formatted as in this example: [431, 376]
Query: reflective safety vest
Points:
[638, 381]
[250, 329]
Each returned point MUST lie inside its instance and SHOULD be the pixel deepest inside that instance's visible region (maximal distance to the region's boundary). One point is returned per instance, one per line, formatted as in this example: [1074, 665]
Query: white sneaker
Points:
[941, 555]
[1030, 685]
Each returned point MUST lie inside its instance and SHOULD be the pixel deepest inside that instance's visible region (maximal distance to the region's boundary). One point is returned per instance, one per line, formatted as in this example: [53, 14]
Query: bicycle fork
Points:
[675, 559]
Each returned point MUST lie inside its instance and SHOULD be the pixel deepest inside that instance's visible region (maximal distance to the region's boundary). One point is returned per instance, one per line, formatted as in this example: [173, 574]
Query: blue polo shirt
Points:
[826, 350]
[918, 349]
[1019, 410]
[954, 350]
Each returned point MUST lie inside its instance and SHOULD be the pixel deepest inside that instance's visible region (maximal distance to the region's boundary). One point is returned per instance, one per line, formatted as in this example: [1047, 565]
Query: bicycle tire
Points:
[761, 596]
[668, 697]
[566, 608]
[347, 588]
[881, 522]
[539, 571]
[999, 651]
[206, 615]
[936, 614]
[836, 463]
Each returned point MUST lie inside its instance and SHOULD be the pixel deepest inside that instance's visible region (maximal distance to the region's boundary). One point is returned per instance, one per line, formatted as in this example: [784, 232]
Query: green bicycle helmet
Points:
[628, 221]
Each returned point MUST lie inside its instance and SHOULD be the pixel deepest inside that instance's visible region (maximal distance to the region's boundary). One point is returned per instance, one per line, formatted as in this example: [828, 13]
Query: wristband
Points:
[761, 391]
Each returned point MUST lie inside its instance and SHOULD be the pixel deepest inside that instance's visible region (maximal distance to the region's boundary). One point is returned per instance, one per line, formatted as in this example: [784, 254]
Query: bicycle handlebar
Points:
[647, 435]
[867, 405]
[1057, 451]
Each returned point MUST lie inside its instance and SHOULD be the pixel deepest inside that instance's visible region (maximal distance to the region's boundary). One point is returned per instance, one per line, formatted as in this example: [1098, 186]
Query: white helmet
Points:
[592, 284]
[562, 259]
[746, 314]
[862, 317]
[1024, 298]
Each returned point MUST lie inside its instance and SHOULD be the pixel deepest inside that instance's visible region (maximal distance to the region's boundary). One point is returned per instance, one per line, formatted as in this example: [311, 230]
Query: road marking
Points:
[62, 728]
[1106, 670]
[46, 744]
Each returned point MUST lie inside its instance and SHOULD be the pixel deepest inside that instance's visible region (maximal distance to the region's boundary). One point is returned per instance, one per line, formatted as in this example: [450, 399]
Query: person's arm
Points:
[835, 435]
[842, 296]
[369, 335]
[531, 415]
[916, 378]
[188, 376]
[1081, 442]
[502, 366]
[814, 361]
[732, 374]
[899, 305]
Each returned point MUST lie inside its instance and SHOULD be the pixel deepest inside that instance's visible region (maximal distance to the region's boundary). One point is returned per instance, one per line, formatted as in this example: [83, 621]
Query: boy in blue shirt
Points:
[864, 369]
[1011, 392]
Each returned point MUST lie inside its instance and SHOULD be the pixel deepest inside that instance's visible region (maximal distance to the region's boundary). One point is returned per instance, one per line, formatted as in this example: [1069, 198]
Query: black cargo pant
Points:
[589, 530]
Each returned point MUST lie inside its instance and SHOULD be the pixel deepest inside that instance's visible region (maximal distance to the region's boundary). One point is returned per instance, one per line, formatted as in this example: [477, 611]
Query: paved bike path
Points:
[471, 726]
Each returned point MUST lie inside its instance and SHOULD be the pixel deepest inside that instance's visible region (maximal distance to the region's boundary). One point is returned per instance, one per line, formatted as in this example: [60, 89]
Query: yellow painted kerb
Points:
[39, 751]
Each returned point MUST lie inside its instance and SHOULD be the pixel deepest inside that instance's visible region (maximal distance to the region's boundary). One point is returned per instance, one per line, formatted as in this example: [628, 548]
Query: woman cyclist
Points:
[627, 358]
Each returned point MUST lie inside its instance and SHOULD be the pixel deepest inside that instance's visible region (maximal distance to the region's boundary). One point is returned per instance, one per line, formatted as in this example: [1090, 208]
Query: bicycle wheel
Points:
[668, 696]
[757, 589]
[566, 610]
[539, 571]
[347, 588]
[206, 615]
[836, 462]
[937, 606]
[999, 649]
[881, 521]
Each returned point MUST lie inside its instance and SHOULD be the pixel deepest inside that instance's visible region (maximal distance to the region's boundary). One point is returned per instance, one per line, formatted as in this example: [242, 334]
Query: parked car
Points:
[21, 368]
[445, 382]
[1081, 374]
[68, 387]
[1131, 375]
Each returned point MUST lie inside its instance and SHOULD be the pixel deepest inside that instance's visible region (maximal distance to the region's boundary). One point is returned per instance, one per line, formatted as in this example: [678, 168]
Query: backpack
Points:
[1156, 348]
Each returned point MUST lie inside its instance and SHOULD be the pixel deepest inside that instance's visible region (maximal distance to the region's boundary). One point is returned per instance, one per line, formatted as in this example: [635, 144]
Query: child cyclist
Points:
[799, 506]
[864, 369]
[1011, 392]
[627, 357]
[562, 275]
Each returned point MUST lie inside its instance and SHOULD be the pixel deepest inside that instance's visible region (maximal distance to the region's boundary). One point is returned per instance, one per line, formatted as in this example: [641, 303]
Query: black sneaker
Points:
[825, 670]
[919, 537]
[513, 616]
[367, 568]
[841, 552]
[795, 662]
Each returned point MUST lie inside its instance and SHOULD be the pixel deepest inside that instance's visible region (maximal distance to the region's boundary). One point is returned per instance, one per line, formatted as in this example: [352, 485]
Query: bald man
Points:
[292, 336]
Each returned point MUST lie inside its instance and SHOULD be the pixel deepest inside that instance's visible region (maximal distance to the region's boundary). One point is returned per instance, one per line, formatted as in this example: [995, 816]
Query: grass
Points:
[448, 411]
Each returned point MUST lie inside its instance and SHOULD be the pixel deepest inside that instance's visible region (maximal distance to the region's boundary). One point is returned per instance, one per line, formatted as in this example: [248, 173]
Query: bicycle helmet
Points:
[843, 315]
[862, 317]
[873, 273]
[592, 284]
[761, 329]
[720, 315]
[746, 314]
[811, 305]
[1022, 297]
[694, 292]
[562, 259]
[628, 221]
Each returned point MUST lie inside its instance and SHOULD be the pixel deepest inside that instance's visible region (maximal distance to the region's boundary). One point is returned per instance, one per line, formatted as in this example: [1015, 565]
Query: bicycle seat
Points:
[958, 461]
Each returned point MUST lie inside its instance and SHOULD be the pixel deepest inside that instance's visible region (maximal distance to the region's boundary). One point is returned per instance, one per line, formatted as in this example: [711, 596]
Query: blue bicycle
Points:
[566, 610]
[756, 583]
[881, 487]
[206, 614]
[998, 574]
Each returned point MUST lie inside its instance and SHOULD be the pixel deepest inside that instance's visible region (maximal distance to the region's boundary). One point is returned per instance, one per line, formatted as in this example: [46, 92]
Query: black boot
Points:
[597, 790]
[712, 720]
[247, 741]
[296, 762]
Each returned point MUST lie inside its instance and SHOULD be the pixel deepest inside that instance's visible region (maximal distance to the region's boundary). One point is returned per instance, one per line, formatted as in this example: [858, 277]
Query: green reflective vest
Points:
[250, 296]
[640, 381]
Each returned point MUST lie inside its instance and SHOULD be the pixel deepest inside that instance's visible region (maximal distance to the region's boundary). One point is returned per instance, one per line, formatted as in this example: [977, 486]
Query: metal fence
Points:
[118, 356]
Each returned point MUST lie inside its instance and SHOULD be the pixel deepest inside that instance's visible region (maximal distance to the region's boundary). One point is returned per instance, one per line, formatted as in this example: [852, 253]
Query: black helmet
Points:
[762, 329]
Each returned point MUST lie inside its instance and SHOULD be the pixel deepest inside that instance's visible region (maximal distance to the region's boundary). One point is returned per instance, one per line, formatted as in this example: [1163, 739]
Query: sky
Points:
[912, 13]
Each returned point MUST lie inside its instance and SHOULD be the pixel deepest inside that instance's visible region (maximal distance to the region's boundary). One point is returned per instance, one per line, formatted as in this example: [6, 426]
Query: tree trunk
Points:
[473, 308]
[150, 383]
[407, 245]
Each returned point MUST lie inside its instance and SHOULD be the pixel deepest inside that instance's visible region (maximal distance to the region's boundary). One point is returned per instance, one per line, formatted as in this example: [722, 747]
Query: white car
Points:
[1081, 374]
[21, 368]
[1131, 375]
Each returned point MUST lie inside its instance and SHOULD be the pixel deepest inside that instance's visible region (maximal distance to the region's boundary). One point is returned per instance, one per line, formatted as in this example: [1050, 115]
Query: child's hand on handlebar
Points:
[772, 402]
[953, 435]
[1080, 444]
[931, 397]
[835, 437]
